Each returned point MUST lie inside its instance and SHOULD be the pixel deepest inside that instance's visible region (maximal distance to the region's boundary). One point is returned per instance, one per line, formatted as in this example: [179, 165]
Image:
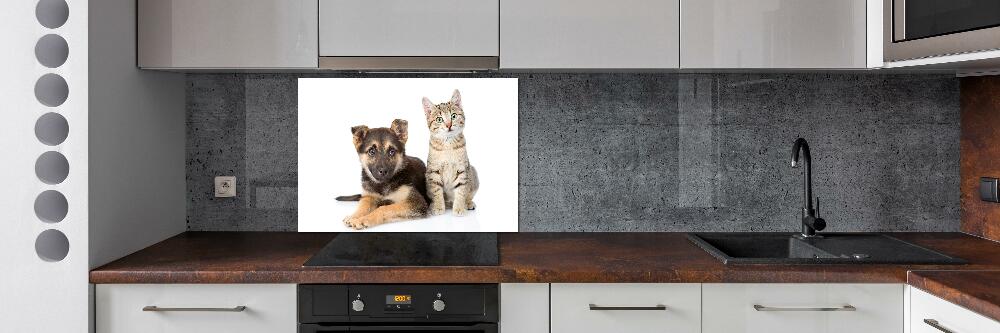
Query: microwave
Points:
[915, 29]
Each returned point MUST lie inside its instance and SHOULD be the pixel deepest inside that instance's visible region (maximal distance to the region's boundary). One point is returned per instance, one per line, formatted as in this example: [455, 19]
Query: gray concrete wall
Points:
[639, 152]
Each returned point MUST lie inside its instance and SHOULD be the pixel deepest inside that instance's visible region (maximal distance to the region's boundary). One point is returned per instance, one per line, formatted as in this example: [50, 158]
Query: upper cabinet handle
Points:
[935, 324]
[759, 307]
[159, 309]
[595, 307]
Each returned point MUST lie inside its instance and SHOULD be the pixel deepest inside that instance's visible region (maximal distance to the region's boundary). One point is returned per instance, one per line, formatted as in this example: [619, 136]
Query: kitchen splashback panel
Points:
[637, 152]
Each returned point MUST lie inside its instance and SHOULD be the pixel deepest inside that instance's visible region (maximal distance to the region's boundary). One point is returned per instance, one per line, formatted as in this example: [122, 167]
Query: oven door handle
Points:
[485, 328]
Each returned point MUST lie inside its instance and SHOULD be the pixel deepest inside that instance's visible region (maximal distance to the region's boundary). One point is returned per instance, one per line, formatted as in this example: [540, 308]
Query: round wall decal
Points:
[52, 13]
[52, 167]
[51, 129]
[52, 245]
[51, 90]
[51, 51]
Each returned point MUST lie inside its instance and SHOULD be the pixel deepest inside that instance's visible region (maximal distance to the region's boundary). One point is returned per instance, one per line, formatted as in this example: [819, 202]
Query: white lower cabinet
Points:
[196, 308]
[524, 308]
[625, 307]
[930, 314]
[802, 308]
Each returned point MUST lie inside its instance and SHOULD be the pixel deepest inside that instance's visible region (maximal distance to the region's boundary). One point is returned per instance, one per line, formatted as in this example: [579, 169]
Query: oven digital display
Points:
[398, 299]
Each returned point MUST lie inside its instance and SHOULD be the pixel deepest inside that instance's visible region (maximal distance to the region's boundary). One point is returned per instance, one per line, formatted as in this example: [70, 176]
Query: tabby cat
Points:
[451, 180]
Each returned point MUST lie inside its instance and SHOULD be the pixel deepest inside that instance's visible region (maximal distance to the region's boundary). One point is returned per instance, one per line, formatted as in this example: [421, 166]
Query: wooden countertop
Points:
[974, 290]
[277, 257]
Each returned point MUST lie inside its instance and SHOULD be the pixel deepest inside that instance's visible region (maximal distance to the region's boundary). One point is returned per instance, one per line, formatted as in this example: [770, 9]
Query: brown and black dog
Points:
[393, 184]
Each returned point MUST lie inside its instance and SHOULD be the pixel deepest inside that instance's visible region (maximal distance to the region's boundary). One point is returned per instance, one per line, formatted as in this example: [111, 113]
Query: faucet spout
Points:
[810, 222]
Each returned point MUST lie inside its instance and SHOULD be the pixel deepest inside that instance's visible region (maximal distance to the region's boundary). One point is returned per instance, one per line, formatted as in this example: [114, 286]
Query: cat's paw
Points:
[437, 210]
[472, 205]
[458, 210]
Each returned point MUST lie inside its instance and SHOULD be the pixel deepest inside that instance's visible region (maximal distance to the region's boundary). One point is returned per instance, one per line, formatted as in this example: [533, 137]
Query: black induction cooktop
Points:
[408, 249]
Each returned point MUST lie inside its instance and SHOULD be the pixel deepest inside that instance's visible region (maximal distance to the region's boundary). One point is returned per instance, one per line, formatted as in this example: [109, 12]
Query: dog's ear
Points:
[456, 98]
[399, 127]
[359, 133]
[428, 106]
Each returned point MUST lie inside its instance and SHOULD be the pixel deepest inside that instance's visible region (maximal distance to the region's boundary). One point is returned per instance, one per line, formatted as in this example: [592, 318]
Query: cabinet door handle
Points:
[154, 308]
[935, 324]
[848, 307]
[657, 307]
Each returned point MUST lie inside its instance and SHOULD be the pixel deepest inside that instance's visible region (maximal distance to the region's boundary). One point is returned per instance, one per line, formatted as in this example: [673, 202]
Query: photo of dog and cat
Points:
[421, 169]
[398, 187]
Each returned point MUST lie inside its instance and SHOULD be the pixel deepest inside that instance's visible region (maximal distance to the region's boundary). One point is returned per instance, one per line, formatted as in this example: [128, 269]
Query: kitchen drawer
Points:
[626, 307]
[773, 34]
[226, 34]
[587, 34]
[949, 317]
[406, 28]
[269, 308]
[792, 308]
[524, 308]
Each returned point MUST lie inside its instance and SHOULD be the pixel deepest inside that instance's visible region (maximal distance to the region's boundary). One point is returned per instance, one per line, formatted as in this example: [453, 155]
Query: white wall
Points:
[137, 185]
[38, 295]
[125, 127]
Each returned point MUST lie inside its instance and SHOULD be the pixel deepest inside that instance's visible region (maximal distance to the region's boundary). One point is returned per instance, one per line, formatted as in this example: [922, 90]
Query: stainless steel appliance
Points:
[453, 308]
[916, 29]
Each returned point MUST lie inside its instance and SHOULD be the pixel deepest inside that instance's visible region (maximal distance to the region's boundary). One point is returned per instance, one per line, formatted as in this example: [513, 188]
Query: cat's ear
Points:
[456, 99]
[428, 106]
[359, 132]
[399, 127]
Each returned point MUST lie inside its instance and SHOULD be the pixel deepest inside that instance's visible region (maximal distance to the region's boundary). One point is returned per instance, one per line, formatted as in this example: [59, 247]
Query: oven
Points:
[384, 308]
[916, 29]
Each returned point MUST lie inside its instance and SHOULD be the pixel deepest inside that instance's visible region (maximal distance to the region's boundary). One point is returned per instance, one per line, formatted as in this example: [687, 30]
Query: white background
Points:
[329, 165]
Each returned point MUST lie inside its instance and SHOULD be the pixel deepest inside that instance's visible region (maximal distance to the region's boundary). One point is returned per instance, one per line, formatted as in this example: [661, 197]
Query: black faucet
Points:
[810, 221]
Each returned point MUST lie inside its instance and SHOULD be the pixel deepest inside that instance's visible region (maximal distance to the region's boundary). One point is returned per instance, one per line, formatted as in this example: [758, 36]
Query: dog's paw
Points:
[356, 224]
[347, 220]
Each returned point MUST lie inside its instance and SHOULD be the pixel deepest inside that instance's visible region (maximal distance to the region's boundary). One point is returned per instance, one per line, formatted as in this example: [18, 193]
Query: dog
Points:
[393, 185]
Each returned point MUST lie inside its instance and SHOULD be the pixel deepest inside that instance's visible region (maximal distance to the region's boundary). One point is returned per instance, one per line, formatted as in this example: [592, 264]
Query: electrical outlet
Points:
[225, 187]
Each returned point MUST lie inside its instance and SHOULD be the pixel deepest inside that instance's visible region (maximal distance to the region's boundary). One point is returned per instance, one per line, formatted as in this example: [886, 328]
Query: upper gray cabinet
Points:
[378, 33]
[775, 34]
[571, 34]
[191, 34]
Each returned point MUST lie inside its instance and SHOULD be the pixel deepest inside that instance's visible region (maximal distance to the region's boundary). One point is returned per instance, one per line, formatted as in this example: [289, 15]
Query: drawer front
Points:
[946, 315]
[524, 308]
[794, 308]
[406, 28]
[773, 34]
[227, 33]
[571, 310]
[589, 34]
[269, 308]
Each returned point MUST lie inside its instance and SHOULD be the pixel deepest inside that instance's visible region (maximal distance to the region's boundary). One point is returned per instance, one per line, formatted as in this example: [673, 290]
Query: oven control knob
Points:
[438, 305]
[358, 305]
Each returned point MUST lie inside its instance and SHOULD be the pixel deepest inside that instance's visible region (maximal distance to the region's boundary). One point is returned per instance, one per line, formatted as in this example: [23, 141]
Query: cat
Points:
[451, 179]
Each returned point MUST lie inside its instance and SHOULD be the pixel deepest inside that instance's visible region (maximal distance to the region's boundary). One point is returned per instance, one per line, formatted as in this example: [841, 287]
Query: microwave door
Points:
[916, 29]
[918, 19]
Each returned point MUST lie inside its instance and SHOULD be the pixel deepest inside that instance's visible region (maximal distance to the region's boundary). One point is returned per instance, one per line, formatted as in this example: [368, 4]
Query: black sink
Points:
[833, 248]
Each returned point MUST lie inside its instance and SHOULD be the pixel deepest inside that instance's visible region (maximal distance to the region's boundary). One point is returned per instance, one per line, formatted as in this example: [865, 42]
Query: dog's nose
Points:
[381, 172]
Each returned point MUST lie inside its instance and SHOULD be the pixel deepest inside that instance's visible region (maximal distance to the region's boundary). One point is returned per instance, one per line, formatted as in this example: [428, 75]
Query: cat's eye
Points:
[454, 115]
[371, 151]
[440, 119]
[392, 152]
